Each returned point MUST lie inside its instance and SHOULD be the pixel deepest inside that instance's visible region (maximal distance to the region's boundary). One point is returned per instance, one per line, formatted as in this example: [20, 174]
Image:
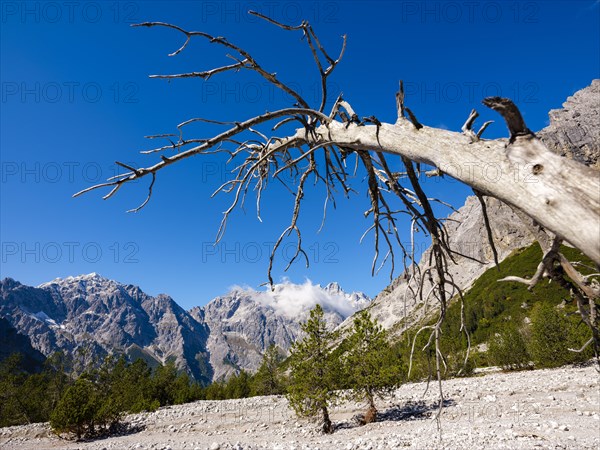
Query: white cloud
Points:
[294, 300]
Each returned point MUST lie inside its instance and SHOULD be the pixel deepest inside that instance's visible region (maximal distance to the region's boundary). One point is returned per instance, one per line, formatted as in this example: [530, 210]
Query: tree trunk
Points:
[371, 415]
[327, 426]
[560, 194]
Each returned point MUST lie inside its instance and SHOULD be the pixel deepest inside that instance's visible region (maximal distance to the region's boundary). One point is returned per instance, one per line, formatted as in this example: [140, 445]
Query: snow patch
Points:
[94, 276]
[43, 317]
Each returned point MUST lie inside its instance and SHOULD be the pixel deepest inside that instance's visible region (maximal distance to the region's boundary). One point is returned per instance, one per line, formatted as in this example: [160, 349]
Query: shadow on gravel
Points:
[122, 429]
[412, 410]
[409, 411]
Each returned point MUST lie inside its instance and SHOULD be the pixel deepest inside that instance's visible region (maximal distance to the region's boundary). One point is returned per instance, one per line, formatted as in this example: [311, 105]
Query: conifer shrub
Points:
[507, 349]
[77, 410]
[549, 337]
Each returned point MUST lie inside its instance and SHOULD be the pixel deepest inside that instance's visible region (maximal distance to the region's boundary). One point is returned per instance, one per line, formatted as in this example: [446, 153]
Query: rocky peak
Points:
[574, 130]
[333, 288]
[9, 283]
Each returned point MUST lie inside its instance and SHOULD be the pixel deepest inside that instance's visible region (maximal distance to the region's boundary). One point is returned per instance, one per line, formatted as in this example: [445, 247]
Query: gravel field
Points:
[542, 409]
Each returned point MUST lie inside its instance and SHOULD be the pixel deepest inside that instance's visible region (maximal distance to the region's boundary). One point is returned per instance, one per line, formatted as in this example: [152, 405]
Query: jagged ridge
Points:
[230, 333]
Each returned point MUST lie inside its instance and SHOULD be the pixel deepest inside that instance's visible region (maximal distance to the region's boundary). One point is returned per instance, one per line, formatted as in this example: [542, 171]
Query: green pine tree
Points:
[12, 376]
[163, 382]
[136, 388]
[311, 391]
[215, 390]
[182, 389]
[371, 367]
[508, 350]
[56, 367]
[238, 385]
[267, 379]
[549, 337]
[77, 409]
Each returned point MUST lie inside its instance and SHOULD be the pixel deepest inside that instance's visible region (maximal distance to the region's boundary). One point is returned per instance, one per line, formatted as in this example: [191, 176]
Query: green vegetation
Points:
[93, 403]
[78, 409]
[268, 380]
[508, 350]
[371, 368]
[497, 314]
[552, 334]
[364, 364]
[27, 398]
[238, 385]
[314, 371]
[490, 304]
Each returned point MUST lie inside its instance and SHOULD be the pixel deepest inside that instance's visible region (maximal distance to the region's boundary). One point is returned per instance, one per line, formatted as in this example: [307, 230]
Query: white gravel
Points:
[543, 409]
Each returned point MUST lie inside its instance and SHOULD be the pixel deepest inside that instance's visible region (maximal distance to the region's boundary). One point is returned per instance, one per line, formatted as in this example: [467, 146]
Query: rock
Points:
[574, 130]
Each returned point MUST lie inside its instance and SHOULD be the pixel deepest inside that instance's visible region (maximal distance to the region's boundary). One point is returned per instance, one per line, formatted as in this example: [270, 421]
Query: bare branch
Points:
[209, 143]
[251, 62]
[279, 24]
[400, 102]
[204, 75]
[586, 345]
[467, 127]
[488, 228]
[147, 198]
[315, 47]
[483, 128]
[577, 278]
[413, 119]
[544, 267]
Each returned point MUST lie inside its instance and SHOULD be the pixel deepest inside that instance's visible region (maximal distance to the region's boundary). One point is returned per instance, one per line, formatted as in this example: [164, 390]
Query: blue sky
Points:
[76, 97]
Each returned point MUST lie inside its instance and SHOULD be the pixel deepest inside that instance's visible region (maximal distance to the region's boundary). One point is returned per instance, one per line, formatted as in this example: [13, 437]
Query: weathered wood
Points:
[558, 193]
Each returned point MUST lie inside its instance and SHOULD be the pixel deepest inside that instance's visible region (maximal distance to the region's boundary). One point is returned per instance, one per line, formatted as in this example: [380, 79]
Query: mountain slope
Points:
[13, 342]
[398, 307]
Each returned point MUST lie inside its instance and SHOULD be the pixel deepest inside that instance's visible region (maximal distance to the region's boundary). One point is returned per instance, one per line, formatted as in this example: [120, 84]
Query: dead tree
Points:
[560, 197]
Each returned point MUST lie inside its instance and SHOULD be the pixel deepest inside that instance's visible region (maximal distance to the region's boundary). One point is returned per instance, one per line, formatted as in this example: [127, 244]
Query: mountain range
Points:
[102, 316]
